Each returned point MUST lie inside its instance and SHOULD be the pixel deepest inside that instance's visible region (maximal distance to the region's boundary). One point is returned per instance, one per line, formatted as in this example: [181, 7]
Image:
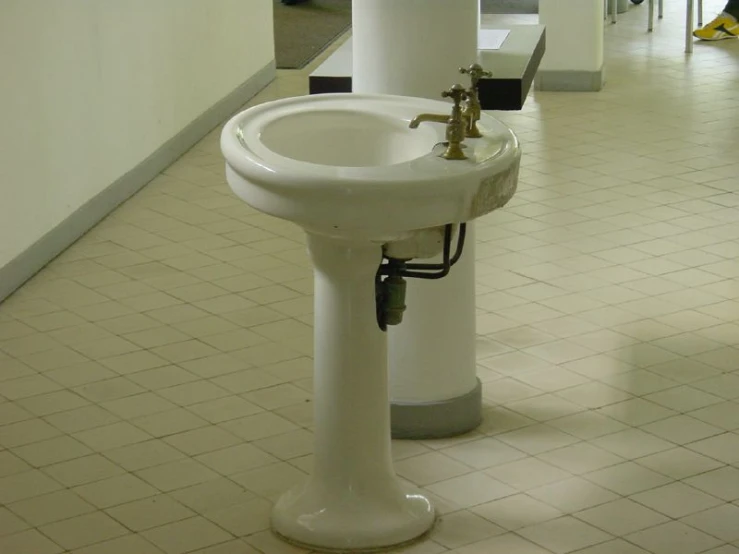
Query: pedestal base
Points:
[381, 516]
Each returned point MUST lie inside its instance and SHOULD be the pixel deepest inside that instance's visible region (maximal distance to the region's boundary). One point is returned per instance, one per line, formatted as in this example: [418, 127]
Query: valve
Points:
[390, 284]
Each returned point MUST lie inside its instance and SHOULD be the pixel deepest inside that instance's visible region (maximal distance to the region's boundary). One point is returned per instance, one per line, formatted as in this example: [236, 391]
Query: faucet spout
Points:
[432, 117]
[456, 123]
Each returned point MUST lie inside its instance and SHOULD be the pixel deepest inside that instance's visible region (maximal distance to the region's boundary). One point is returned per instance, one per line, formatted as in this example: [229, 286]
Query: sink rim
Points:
[252, 160]
[385, 202]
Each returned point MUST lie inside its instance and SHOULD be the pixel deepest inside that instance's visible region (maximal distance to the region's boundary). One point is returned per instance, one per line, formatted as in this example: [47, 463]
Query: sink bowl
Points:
[349, 165]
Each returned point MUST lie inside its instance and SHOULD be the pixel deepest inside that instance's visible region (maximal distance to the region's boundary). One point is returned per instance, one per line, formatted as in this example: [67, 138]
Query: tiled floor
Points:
[156, 377]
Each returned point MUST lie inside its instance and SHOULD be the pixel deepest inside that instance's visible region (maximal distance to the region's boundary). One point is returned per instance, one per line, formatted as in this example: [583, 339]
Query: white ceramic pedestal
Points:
[415, 48]
[353, 499]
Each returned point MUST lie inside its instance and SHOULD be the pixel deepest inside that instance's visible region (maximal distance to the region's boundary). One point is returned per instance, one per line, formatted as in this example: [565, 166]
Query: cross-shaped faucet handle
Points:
[476, 72]
[457, 93]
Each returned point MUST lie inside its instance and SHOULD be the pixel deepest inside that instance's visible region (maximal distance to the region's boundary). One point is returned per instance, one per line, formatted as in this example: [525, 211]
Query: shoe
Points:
[724, 26]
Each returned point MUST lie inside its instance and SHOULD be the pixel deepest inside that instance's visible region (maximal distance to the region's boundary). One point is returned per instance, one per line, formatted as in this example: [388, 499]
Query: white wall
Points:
[90, 88]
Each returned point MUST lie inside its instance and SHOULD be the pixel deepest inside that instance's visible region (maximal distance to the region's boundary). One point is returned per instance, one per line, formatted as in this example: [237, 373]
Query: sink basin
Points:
[349, 165]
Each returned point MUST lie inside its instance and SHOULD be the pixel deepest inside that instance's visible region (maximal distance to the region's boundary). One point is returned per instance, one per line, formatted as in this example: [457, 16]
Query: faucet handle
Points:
[457, 93]
[476, 72]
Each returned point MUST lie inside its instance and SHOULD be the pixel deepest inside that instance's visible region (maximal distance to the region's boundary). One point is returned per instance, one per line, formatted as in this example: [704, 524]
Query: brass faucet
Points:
[456, 123]
[472, 108]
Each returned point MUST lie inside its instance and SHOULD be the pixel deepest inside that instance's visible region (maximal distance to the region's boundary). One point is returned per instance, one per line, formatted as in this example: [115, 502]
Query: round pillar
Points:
[415, 48]
[572, 64]
[412, 47]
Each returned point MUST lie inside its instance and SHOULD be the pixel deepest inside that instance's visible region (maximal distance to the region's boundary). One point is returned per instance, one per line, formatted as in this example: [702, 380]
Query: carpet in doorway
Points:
[303, 31]
[510, 6]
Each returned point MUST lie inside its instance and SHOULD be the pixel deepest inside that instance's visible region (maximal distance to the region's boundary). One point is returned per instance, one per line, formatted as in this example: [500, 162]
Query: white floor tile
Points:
[565, 534]
[627, 478]
[573, 495]
[515, 512]
[676, 500]
[719, 522]
[673, 538]
[679, 463]
[621, 517]
[186, 535]
[462, 528]
[472, 490]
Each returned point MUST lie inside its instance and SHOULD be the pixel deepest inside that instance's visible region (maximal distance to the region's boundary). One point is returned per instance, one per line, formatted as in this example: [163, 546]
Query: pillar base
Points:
[383, 516]
[437, 420]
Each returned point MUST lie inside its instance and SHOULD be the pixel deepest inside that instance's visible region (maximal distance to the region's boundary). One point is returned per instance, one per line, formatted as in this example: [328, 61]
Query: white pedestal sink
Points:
[350, 171]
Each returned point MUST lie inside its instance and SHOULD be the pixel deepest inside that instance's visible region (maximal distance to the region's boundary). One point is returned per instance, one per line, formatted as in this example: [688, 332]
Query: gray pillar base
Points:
[437, 420]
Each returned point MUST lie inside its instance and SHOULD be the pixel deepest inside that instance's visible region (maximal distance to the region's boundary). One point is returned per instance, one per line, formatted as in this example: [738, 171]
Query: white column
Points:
[622, 6]
[432, 353]
[573, 60]
[412, 47]
[353, 500]
[415, 48]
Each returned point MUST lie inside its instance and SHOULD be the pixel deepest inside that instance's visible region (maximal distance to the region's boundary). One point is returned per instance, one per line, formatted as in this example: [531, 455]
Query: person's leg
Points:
[732, 8]
[724, 26]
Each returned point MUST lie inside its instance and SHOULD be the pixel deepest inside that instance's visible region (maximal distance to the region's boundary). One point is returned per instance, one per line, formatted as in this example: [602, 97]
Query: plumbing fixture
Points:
[390, 295]
[362, 198]
[472, 108]
[390, 292]
[456, 123]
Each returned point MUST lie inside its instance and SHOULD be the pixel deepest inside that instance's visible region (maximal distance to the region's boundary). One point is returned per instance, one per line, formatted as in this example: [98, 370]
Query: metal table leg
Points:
[689, 27]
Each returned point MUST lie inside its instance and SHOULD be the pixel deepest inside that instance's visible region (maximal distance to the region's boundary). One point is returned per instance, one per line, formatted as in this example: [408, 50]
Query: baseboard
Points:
[570, 81]
[34, 258]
